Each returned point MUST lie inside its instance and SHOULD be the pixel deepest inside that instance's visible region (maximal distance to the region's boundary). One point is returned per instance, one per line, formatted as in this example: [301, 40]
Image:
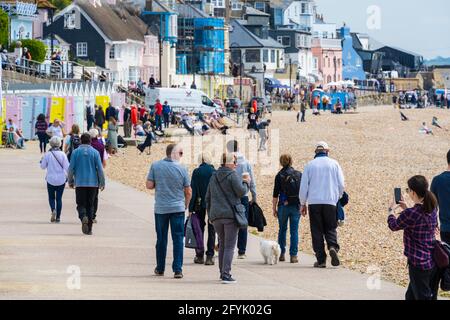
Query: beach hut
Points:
[14, 110]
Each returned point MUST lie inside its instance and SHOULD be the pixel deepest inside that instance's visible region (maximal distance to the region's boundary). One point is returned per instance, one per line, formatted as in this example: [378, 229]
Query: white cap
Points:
[322, 145]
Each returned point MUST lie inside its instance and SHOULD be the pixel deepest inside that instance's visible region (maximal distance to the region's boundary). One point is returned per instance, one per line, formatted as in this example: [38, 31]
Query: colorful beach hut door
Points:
[14, 110]
[27, 118]
[69, 114]
[57, 109]
[104, 102]
[78, 106]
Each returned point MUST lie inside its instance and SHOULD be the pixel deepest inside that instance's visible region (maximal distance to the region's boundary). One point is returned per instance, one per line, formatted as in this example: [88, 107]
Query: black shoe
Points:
[159, 273]
[209, 261]
[320, 265]
[228, 280]
[199, 260]
[58, 220]
[85, 225]
[334, 257]
[178, 275]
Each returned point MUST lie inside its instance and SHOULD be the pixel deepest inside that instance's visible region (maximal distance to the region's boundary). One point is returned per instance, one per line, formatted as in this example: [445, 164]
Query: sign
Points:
[21, 29]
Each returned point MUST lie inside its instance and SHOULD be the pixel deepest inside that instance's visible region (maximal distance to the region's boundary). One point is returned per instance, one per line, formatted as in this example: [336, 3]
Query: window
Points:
[304, 8]
[285, 41]
[82, 49]
[265, 55]
[218, 3]
[260, 6]
[112, 54]
[70, 20]
[272, 56]
[316, 63]
[325, 34]
[253, 55]
[235, 5]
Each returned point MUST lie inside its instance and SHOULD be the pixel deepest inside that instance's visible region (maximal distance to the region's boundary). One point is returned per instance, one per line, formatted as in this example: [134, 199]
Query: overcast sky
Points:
[418, 26]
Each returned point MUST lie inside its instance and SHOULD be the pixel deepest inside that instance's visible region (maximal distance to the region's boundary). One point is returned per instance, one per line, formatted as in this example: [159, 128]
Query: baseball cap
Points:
[322, 145]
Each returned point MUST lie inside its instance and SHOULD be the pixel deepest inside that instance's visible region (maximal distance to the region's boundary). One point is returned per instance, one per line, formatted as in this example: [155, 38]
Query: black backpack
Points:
[290, 185]
[75, 142]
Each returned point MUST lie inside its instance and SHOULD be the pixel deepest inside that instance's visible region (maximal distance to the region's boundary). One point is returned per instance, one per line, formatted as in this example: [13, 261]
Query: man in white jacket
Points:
[321, 188]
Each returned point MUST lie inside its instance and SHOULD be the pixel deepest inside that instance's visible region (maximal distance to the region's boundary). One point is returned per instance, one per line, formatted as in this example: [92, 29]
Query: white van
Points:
[181, 99]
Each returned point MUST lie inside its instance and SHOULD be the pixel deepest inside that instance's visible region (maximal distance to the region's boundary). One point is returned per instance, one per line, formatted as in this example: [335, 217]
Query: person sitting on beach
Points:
[15, 138]
[425, 129]
[338, 107]
[139, 130]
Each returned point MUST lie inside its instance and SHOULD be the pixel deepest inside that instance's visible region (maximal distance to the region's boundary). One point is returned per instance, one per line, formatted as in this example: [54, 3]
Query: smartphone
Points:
[398, 195]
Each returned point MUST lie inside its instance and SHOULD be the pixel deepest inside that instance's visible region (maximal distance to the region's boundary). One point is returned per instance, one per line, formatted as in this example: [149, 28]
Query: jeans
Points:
[263, 139]
[211, 236]
[243, 233]
[445, 237]
[423, 284]
[292, 214]
[227, 232]
[21, 143]
[55, 194]
[42, 141]
[323, 224]
[303, 116]
[176, 221]
[85, 198]
[158, 122]
[166, 120]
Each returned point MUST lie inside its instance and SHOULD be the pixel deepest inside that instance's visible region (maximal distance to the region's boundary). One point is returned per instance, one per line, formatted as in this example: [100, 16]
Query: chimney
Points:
[149, 5]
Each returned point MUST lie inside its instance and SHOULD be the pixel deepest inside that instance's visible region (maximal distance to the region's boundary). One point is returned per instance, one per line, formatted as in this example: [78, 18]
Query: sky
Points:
[419, 26]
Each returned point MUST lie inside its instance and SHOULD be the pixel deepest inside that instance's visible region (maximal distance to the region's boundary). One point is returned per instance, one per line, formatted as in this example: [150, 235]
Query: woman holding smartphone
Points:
[419, 225]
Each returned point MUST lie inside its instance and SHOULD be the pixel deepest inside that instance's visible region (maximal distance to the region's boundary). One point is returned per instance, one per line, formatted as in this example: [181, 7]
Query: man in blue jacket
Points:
[441, 189]
[167, 110]
[87, 177]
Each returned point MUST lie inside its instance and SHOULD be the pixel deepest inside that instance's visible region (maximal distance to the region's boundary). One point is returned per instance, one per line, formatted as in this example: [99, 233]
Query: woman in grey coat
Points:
[226, 188]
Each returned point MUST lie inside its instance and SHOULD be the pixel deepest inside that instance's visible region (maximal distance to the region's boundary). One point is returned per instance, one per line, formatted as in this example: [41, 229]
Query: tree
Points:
[3, 28]
[60, 4]
[37, 48]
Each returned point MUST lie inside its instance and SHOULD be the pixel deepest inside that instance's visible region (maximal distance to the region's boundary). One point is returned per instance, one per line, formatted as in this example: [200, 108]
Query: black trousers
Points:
[445, 237]
[303, 116]
[323, 224]
[423, 284]
[85, 198]
[94, 215]
[211, 235]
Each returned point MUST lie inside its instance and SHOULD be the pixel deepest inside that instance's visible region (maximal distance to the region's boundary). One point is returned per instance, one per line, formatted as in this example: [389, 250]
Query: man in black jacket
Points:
[111, 112]
[199, 184]
[286, 206]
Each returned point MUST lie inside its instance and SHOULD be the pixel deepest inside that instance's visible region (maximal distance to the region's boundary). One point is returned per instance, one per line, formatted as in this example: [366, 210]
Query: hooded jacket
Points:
[234, 189]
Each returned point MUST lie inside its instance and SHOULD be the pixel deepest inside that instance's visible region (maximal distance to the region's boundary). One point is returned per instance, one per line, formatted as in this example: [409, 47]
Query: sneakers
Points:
[85, 225]
[282, 258]
[294, 259]
[57, 220]
[228, 280]
[178, 275]
[334, 257]
[242, 256]
[94, 221]
[209, 261]
[199, 260]
[53, 218]
[159, 273]
[320, 265]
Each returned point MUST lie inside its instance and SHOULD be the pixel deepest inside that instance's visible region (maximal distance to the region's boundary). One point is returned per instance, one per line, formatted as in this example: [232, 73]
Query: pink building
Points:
[327, 55]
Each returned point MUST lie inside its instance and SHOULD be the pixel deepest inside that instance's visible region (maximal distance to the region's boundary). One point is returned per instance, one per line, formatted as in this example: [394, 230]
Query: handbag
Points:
[190, 241]
[238, 210]
[440, 255]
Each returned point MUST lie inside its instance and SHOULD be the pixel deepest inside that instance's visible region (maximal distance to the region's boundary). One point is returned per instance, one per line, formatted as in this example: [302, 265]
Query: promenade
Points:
[40, 260]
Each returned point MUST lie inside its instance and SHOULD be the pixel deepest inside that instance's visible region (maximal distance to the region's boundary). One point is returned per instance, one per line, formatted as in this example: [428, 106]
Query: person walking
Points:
[440, 187]
[419, 225]
[72, 141]
[173, 193]
[243, 167]
[90, 115]
[321, 188]
[167, 110]
[199, 184]
[158, 115]
[286, 206]
[303, 111]
[99, 118]
[56, 129]
[57, 166]
[127, 121]
[113, 130]
[41, 127]
[87, 177]
[225, 189]
[263, 129]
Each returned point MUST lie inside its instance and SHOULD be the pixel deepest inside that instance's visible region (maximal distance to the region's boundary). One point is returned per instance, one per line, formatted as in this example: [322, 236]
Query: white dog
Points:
[270, 251]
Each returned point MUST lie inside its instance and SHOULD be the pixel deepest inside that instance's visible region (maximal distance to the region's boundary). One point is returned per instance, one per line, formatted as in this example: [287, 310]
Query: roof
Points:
[244, 38]
[280, 3]
[41, 4]
[253, 12]
[399, 49]
[118, 23]
[189, 11]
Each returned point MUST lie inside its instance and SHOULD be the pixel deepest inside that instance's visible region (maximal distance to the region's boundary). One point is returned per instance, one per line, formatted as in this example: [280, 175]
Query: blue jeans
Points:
[242, 235]
[158, 122]
[176, 221]
[55, 194]
[292, 214]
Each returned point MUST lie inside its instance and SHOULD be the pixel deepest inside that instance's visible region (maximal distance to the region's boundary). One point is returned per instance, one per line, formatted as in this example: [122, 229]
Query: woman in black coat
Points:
[100, 118]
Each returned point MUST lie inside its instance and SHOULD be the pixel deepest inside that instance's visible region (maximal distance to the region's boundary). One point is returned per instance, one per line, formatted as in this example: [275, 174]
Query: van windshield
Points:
[207, 102]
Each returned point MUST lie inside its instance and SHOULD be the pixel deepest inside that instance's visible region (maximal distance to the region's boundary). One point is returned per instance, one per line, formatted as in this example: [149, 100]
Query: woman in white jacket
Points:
[57, 165]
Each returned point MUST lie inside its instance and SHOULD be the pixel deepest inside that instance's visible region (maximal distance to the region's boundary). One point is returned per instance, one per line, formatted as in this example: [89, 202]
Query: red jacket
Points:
[134, 115]
[158, 109]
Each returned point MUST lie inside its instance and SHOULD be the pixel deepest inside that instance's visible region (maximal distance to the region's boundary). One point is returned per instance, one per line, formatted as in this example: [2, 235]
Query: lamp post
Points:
[290, 75]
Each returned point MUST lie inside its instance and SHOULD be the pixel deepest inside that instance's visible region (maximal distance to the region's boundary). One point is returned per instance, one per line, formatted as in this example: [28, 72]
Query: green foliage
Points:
[3, 28]
[86, 63]
[36, 48]
[60, 4]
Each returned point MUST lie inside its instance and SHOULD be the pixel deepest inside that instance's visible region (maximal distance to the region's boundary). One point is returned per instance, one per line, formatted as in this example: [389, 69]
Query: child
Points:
[340, 215]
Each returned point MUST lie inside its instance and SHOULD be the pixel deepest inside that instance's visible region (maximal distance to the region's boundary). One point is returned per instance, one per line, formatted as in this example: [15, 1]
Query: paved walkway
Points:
[117, 262]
